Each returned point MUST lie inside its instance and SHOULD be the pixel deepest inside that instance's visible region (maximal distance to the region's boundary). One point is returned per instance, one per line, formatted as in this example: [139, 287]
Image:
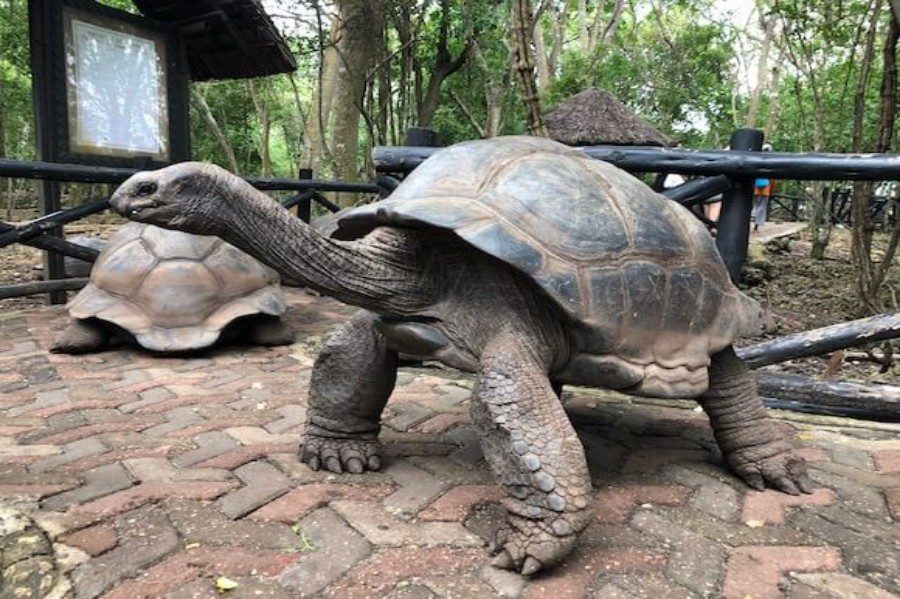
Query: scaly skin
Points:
[752, 446]
[352, 379]
[535, 454]
[495, 321]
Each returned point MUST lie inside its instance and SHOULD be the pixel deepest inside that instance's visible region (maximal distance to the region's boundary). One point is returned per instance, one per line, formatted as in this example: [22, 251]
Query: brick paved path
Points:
[123, 475]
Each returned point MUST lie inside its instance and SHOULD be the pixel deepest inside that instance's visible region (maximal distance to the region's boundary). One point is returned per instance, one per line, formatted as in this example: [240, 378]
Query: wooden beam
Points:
[838, 398]
[822, 341]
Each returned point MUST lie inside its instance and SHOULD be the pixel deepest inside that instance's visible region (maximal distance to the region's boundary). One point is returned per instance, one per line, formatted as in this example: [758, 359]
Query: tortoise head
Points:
[189, 197]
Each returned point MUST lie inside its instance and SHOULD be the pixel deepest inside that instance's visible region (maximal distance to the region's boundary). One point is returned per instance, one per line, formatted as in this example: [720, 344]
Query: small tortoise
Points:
[173, 291]
[525, 262]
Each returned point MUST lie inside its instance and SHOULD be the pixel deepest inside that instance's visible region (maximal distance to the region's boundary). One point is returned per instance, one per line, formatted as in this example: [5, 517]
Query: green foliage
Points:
[680, 81]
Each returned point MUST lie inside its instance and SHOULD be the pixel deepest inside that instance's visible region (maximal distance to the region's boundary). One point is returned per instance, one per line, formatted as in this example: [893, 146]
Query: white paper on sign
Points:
[117, 97]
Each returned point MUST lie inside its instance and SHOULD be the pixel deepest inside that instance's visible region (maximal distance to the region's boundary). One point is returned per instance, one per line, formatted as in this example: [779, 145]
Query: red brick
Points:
[200, 562]
[94, 540]
[441, 423]
[381, 572]
[113, 457]
[615, 504]
[234, 459]
[574, 577]
[36, 491]
[458, 502]
[251, 419]
[755, 570]
[892, 497]
[770, 506]
[71, 406]
[811, 454]
[11, 431]
[115, 426]
[887, 462]
[305, 499]
[135, 497]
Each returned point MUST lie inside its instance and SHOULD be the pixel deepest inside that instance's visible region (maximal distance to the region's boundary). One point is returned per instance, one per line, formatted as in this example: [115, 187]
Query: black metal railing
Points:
[45, 232]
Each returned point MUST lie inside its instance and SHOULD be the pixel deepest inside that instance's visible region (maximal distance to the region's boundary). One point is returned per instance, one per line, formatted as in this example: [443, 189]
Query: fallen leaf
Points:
[754, 523]
[223, 585]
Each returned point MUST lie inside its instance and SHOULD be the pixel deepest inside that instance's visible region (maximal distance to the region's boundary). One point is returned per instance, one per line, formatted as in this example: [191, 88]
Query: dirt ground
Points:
[801, 294]
[798, 293]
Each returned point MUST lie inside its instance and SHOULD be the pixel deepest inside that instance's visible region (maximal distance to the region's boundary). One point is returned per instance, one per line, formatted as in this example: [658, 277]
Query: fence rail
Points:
[705, 163]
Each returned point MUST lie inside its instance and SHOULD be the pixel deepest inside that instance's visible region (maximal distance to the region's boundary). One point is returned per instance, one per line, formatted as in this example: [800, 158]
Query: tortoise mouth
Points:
[133, 208]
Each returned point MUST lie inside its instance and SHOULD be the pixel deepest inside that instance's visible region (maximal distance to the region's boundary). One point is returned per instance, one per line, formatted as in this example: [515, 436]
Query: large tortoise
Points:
[172, 291]
[529, 264]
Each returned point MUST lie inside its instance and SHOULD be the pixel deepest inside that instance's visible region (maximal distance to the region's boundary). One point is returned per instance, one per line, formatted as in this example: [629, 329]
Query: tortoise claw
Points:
[786, 485]
[503, 560]
[531, 566]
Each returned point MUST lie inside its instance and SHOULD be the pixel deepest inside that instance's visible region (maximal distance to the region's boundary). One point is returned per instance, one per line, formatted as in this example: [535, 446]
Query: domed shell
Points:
[175, 291]
[639, 277]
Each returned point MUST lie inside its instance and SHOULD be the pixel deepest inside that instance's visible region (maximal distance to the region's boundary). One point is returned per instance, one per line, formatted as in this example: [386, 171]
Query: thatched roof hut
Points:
[595, 117]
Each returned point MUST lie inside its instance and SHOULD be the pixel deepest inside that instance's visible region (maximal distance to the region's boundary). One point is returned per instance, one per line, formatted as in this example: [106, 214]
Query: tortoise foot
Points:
[81, 337]
[773, 465]
[528, 546]
[354, 455]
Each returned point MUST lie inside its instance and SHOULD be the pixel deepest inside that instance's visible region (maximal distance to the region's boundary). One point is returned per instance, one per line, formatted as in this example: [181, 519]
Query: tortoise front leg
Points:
[535, 454]
[352, 379]
[753, 448]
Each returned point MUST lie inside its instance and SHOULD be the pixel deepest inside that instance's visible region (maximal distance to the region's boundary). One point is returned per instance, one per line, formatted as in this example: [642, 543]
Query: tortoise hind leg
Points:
[81, 337]
[269, 331]
[753, 447]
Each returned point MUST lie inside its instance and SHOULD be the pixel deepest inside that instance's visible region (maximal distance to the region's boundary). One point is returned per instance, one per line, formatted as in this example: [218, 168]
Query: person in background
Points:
[762, 190]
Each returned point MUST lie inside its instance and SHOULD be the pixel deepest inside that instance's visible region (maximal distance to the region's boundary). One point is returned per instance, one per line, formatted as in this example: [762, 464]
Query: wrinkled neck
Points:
[381, 272]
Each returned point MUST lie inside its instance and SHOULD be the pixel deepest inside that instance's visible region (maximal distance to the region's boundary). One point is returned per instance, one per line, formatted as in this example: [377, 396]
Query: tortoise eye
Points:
[146, 189]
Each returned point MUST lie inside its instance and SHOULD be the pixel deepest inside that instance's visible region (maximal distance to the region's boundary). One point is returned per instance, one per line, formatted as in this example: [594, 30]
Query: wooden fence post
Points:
[304, 207]
[734, 220]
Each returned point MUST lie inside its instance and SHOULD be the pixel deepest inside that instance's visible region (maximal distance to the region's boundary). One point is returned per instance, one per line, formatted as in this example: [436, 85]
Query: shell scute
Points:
[684, 286]
[547, 190]
[607, 309]
[122, 270]
[237, 275]
[492, 237]
[164, 292]
[645, 292]
[168, 244]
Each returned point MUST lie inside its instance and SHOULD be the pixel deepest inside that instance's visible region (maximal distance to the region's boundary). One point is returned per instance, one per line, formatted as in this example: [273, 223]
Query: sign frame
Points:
[49, 21]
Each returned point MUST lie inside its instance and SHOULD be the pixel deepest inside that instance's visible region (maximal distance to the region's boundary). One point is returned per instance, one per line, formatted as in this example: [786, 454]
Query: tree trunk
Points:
[584, 39]
[211, 122]
[444, 66]
[762, 74]
[772, 116]
[521, 25]
[862, 229]
[359, 32]
[265, 129]
[9, 193]
[886, 126]
[314, 153]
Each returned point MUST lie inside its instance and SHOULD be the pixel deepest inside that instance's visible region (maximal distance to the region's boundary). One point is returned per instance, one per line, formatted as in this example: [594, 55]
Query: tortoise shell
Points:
[175, 291]
[637, 276]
